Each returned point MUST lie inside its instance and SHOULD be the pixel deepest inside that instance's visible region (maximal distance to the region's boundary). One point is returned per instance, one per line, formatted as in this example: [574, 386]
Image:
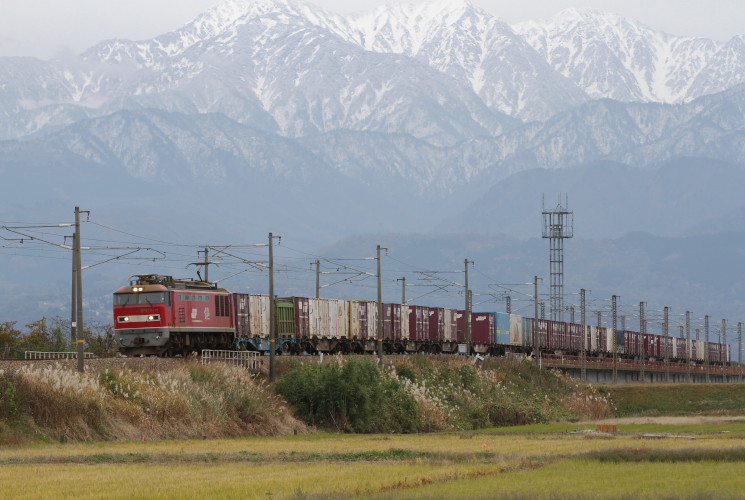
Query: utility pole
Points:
[583, 305]
[380, 309]
[739, 347]
[571, 314]
[272, 315]
[614, 319]
[468, 309]
[536, 341]
[403, 289]
[508, 301]
[666, 357]
[642, 332]
[724, 350]
[543, 310]
[80, 330]
[318, 278]
[73, 297]
[706, 348]
[206, 264]
[600, 318]
[689, 347]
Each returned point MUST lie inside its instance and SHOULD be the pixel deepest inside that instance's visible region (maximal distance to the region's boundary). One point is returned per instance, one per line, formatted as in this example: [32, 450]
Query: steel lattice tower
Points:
[558, 225]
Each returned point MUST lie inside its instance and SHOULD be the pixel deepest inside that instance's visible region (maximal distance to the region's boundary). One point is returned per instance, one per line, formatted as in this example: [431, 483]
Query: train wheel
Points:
[285, 348]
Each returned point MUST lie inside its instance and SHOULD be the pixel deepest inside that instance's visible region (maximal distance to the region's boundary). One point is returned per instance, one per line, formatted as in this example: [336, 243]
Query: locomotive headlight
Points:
[151, 318]
[125, 318]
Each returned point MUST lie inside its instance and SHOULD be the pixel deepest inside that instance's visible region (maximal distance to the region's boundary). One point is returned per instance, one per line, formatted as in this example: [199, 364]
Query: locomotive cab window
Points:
[142, 299]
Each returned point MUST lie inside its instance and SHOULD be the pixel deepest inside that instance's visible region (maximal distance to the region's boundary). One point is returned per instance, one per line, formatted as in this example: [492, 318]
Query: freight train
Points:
[163, 316]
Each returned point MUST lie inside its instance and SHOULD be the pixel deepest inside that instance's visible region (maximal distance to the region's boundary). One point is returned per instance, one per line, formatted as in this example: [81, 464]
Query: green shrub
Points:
[354, 396]
[8, 404]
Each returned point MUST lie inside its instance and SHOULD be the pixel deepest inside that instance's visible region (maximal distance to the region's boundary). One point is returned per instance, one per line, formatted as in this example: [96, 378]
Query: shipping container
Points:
[285, 318]
[666, 347]
[302, 317]
[460, 326]
[395, 321]
[405, 322]
[697, 347]
[251, 315]
[502, 328]
[527, 331]
[632, 343]
[482, 328]
[328, 318]
[450, 325]
[680, 348]
[610, 340]
[556, 335]
[574, 333]
[540, 332]
[436, 324]
[418, 323]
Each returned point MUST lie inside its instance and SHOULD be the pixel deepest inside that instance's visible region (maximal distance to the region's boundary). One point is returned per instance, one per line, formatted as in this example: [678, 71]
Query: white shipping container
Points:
[593, 338]
[516, 330]
[355, 310]
[328, 318]
[405, 322]
[258, 315]
[450, 329]
[700, 353]
[610, 340]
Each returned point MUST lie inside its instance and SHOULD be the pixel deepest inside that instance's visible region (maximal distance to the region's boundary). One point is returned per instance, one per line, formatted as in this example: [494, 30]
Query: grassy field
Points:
[678, 399]
[706, 461]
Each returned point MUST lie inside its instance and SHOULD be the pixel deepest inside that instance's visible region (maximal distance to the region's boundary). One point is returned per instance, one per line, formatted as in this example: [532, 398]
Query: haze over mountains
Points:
[434, 118]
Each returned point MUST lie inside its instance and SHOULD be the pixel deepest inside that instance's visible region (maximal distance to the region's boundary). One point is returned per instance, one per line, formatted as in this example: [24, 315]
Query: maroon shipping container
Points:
[717, 352]
[540, 332]
[387, 326]
[242, 318]
[418, 323]
[302, 317]
[436, 323]
[482, 328]
[654, 346]
[574, 337]
[681, 351]
[632, 341]
[460, 326]
[556, 335]
[395, 321]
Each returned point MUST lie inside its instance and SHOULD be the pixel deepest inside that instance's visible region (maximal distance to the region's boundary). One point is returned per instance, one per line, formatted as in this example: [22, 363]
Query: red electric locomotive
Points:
[159, 315]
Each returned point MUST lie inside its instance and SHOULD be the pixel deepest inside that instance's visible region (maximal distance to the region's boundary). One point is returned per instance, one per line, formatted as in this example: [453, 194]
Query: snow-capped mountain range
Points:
[440, 70]
[275, 115]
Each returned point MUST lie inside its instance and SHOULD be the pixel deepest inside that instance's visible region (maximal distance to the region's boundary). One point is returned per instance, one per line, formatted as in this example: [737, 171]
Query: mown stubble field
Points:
[703, 459]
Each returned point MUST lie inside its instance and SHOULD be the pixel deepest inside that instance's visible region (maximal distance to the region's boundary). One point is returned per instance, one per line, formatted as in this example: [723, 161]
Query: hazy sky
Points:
[42, 28]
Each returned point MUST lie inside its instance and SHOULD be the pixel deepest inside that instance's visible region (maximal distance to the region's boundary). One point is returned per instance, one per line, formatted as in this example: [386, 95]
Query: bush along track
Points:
[419, 394]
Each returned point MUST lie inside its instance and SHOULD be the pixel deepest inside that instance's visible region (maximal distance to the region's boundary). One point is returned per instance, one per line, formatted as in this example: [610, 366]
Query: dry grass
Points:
[189, 400]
